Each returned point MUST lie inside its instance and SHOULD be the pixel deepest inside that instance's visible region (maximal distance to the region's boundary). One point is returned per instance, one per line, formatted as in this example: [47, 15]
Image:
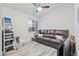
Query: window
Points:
[33, 25]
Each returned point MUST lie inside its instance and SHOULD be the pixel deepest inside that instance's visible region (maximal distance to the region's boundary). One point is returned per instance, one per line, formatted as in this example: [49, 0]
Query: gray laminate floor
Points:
[33, 48]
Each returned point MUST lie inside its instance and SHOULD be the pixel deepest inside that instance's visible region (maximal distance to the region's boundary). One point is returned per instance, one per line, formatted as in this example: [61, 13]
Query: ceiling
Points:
[30, 8]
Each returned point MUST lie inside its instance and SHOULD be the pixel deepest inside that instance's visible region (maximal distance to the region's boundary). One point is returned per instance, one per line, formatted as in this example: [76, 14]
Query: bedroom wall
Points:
[61, 17]
[20, 23]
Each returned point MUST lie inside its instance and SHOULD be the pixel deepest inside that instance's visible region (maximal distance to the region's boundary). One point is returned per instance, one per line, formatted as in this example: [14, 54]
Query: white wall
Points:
[61, 17]
[20, 23]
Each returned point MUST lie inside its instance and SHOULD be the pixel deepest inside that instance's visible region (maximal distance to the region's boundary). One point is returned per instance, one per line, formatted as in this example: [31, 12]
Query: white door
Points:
[77, 27]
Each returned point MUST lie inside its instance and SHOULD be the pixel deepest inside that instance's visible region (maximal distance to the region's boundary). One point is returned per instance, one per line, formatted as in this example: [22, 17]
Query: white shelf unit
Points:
[7, 36]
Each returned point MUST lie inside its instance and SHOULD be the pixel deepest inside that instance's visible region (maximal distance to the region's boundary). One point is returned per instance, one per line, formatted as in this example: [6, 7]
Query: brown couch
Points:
[49, 37]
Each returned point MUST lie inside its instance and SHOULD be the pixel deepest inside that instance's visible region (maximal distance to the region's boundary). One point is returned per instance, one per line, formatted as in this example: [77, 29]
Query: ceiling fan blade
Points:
[45, 6]
[36, 4]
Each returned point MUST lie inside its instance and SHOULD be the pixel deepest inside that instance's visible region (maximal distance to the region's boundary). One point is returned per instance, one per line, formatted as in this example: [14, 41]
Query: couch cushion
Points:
[58, 32]
[56, 41]
[43, 32]
[59, 37]
[49, 36]
[64, 33]
[50, 31]
[45, 38]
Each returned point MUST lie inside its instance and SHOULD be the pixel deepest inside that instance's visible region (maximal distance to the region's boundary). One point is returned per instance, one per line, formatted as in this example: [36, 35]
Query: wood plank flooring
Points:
[33, 48]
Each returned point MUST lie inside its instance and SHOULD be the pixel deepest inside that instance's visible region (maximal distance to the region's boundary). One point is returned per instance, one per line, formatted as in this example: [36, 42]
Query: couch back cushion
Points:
[59, 37]
[58, 32]
[51, 32]
[43, 31]
[63, 33]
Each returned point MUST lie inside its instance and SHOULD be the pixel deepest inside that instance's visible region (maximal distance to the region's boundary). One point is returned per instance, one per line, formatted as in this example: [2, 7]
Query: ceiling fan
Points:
[40, 7]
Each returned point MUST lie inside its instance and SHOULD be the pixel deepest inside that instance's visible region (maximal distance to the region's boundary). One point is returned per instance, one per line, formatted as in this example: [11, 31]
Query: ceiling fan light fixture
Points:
[39, 8]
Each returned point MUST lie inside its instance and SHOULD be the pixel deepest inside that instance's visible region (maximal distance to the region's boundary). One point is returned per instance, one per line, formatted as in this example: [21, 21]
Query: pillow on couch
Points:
[40, 35]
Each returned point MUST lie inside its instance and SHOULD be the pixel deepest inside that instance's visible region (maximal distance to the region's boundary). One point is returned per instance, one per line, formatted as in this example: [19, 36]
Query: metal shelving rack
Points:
[7, 36]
